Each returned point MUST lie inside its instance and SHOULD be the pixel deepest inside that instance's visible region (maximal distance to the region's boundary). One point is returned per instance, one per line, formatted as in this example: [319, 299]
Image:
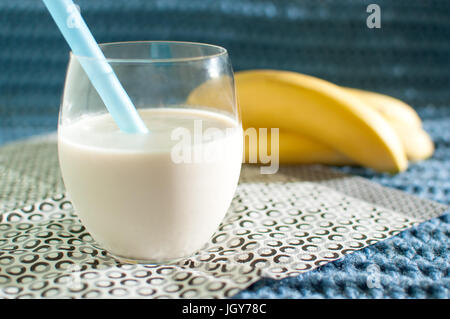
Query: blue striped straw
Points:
[80, 39]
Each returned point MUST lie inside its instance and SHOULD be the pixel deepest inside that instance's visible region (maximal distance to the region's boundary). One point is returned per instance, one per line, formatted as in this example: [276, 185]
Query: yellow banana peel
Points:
[392, 109]
[404, 120]
[321, 122]
[322, 111]
[401, 117]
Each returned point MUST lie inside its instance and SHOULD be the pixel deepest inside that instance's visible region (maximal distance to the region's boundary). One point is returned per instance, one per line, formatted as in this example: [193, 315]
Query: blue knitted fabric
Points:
[413, 264]
[409, 57]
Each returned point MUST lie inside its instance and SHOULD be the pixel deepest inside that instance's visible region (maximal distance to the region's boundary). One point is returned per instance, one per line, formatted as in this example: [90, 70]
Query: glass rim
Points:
[221, 51]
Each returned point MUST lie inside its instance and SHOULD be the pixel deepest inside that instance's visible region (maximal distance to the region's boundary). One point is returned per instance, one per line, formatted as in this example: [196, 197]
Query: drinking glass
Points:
[160, 196]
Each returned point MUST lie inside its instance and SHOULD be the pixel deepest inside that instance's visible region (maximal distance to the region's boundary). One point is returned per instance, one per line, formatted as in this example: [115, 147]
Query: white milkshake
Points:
[131, 195]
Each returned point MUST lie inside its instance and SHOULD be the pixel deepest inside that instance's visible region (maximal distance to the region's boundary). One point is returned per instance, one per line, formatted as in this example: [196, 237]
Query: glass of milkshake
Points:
[155, 197]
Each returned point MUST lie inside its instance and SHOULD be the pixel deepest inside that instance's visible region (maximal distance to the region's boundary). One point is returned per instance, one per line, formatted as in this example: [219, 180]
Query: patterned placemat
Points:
[278, 226]
[29, 171]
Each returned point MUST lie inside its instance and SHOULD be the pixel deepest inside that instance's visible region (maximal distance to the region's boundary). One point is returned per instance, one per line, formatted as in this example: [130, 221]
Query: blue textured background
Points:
[409, 57]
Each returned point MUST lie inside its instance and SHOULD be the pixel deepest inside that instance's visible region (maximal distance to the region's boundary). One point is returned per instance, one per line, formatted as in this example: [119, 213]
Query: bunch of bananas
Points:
[320, 122]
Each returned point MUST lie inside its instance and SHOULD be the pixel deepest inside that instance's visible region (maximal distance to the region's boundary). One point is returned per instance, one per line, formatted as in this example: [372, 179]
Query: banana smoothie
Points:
[152, 197]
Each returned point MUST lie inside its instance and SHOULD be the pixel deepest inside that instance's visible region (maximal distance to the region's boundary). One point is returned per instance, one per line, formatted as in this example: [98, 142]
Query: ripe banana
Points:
[403, 119]
[391, 108]
[298, 149]
[416, 142]
[321, 111]
[260, 91]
